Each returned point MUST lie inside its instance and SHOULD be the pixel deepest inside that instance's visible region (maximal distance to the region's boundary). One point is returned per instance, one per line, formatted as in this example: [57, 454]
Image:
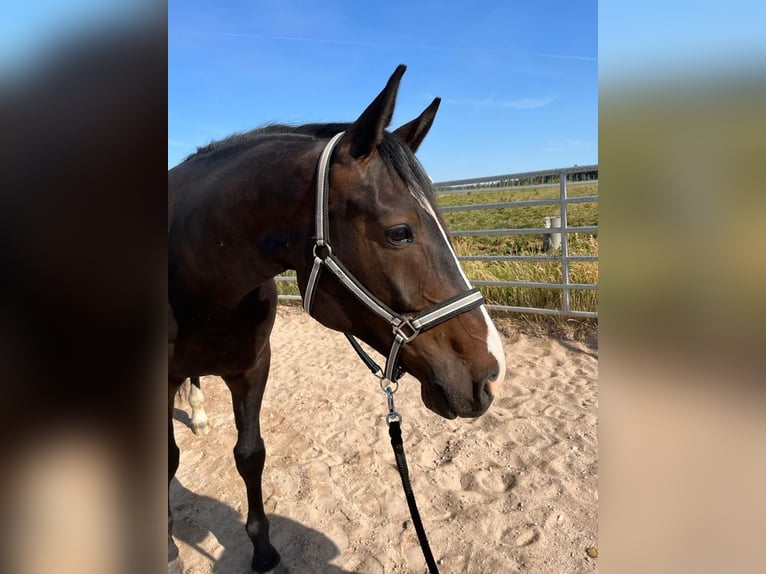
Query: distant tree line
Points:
[519, 181]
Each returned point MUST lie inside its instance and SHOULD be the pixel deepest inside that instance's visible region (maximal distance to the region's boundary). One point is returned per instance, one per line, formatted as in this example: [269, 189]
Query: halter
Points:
[405, 328]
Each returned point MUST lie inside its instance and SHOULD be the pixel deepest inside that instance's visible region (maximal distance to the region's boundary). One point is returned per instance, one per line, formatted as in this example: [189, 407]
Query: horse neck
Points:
[256, 221]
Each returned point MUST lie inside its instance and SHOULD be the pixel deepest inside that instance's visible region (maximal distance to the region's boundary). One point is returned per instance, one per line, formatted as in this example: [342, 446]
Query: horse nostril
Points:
[492, 384]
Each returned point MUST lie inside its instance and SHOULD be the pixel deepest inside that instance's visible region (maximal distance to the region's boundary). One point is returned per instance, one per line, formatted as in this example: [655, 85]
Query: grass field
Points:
[579, 215]
[584, 214]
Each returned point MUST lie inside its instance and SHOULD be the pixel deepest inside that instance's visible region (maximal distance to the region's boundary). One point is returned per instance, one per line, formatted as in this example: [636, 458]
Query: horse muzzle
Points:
[447, 400]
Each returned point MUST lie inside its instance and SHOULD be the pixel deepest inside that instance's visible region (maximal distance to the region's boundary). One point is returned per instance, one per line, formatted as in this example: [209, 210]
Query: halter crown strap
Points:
[405, 328]
[322, 223]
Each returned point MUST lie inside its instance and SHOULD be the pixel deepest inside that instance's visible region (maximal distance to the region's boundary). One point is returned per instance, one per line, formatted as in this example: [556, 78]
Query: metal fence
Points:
[552, 229]
[529, 180]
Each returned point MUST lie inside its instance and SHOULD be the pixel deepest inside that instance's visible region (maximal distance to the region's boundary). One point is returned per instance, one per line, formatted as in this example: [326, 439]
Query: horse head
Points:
[388, 233]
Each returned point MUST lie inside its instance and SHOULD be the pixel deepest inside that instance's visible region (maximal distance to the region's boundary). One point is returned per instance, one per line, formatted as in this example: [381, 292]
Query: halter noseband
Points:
[405, 328]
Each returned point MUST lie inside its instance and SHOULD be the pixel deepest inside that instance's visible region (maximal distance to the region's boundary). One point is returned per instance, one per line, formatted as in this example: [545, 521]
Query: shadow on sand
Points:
[303, 549]
[183, 417]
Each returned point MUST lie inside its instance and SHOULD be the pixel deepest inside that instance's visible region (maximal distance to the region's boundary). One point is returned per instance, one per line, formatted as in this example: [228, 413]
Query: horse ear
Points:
[366, 132]
[413, 133]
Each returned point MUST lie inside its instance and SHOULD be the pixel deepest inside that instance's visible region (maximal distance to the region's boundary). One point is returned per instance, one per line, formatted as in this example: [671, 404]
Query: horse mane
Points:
[240, 139]
[393, 151]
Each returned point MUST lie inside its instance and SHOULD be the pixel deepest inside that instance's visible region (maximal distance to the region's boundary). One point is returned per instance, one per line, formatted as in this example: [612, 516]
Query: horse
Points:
[200, 424]
[351, 210]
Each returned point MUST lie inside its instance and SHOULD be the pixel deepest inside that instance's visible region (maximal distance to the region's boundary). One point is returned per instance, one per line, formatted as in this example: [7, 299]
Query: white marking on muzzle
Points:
[495, 346]
[494, 342]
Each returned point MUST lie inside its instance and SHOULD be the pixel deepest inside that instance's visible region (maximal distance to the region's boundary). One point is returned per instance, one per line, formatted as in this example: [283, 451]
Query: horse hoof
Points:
[202, 428]
[174, 566]
[269, 563]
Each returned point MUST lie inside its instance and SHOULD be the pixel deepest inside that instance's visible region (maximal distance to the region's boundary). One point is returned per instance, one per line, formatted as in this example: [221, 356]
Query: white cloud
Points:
[492, 103]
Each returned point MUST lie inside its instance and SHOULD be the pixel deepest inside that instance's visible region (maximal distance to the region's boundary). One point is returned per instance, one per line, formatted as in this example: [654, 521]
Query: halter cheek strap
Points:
[405, 328]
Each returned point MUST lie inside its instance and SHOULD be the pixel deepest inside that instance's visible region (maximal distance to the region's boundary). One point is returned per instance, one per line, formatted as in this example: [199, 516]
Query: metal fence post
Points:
[564, 242]
[552, 241]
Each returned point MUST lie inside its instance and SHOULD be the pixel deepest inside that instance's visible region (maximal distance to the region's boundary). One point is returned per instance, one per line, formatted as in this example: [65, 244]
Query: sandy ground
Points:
[513, 491]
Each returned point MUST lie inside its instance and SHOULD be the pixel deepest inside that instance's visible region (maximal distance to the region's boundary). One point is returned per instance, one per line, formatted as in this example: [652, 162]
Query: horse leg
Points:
[174, 562]
[199, 420]
[250, 454]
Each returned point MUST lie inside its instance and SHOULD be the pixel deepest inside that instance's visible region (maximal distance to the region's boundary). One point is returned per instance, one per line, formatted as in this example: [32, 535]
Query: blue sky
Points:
[518, 79]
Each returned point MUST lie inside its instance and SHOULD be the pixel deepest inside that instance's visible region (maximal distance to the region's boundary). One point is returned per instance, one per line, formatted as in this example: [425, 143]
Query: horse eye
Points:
[399, 234]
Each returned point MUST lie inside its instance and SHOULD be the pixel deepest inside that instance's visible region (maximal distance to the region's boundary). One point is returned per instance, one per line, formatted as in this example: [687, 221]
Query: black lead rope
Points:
[395, 431]
[368, 361]
[394, 419]
[372, 365]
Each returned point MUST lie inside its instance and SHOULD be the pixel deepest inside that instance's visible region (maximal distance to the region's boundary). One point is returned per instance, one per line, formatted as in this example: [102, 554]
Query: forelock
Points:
[402, 163]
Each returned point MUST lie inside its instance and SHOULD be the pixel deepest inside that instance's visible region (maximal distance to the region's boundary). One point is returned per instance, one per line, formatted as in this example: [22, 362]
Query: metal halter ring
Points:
[324, 246]
[385, 385]
[401, 334]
